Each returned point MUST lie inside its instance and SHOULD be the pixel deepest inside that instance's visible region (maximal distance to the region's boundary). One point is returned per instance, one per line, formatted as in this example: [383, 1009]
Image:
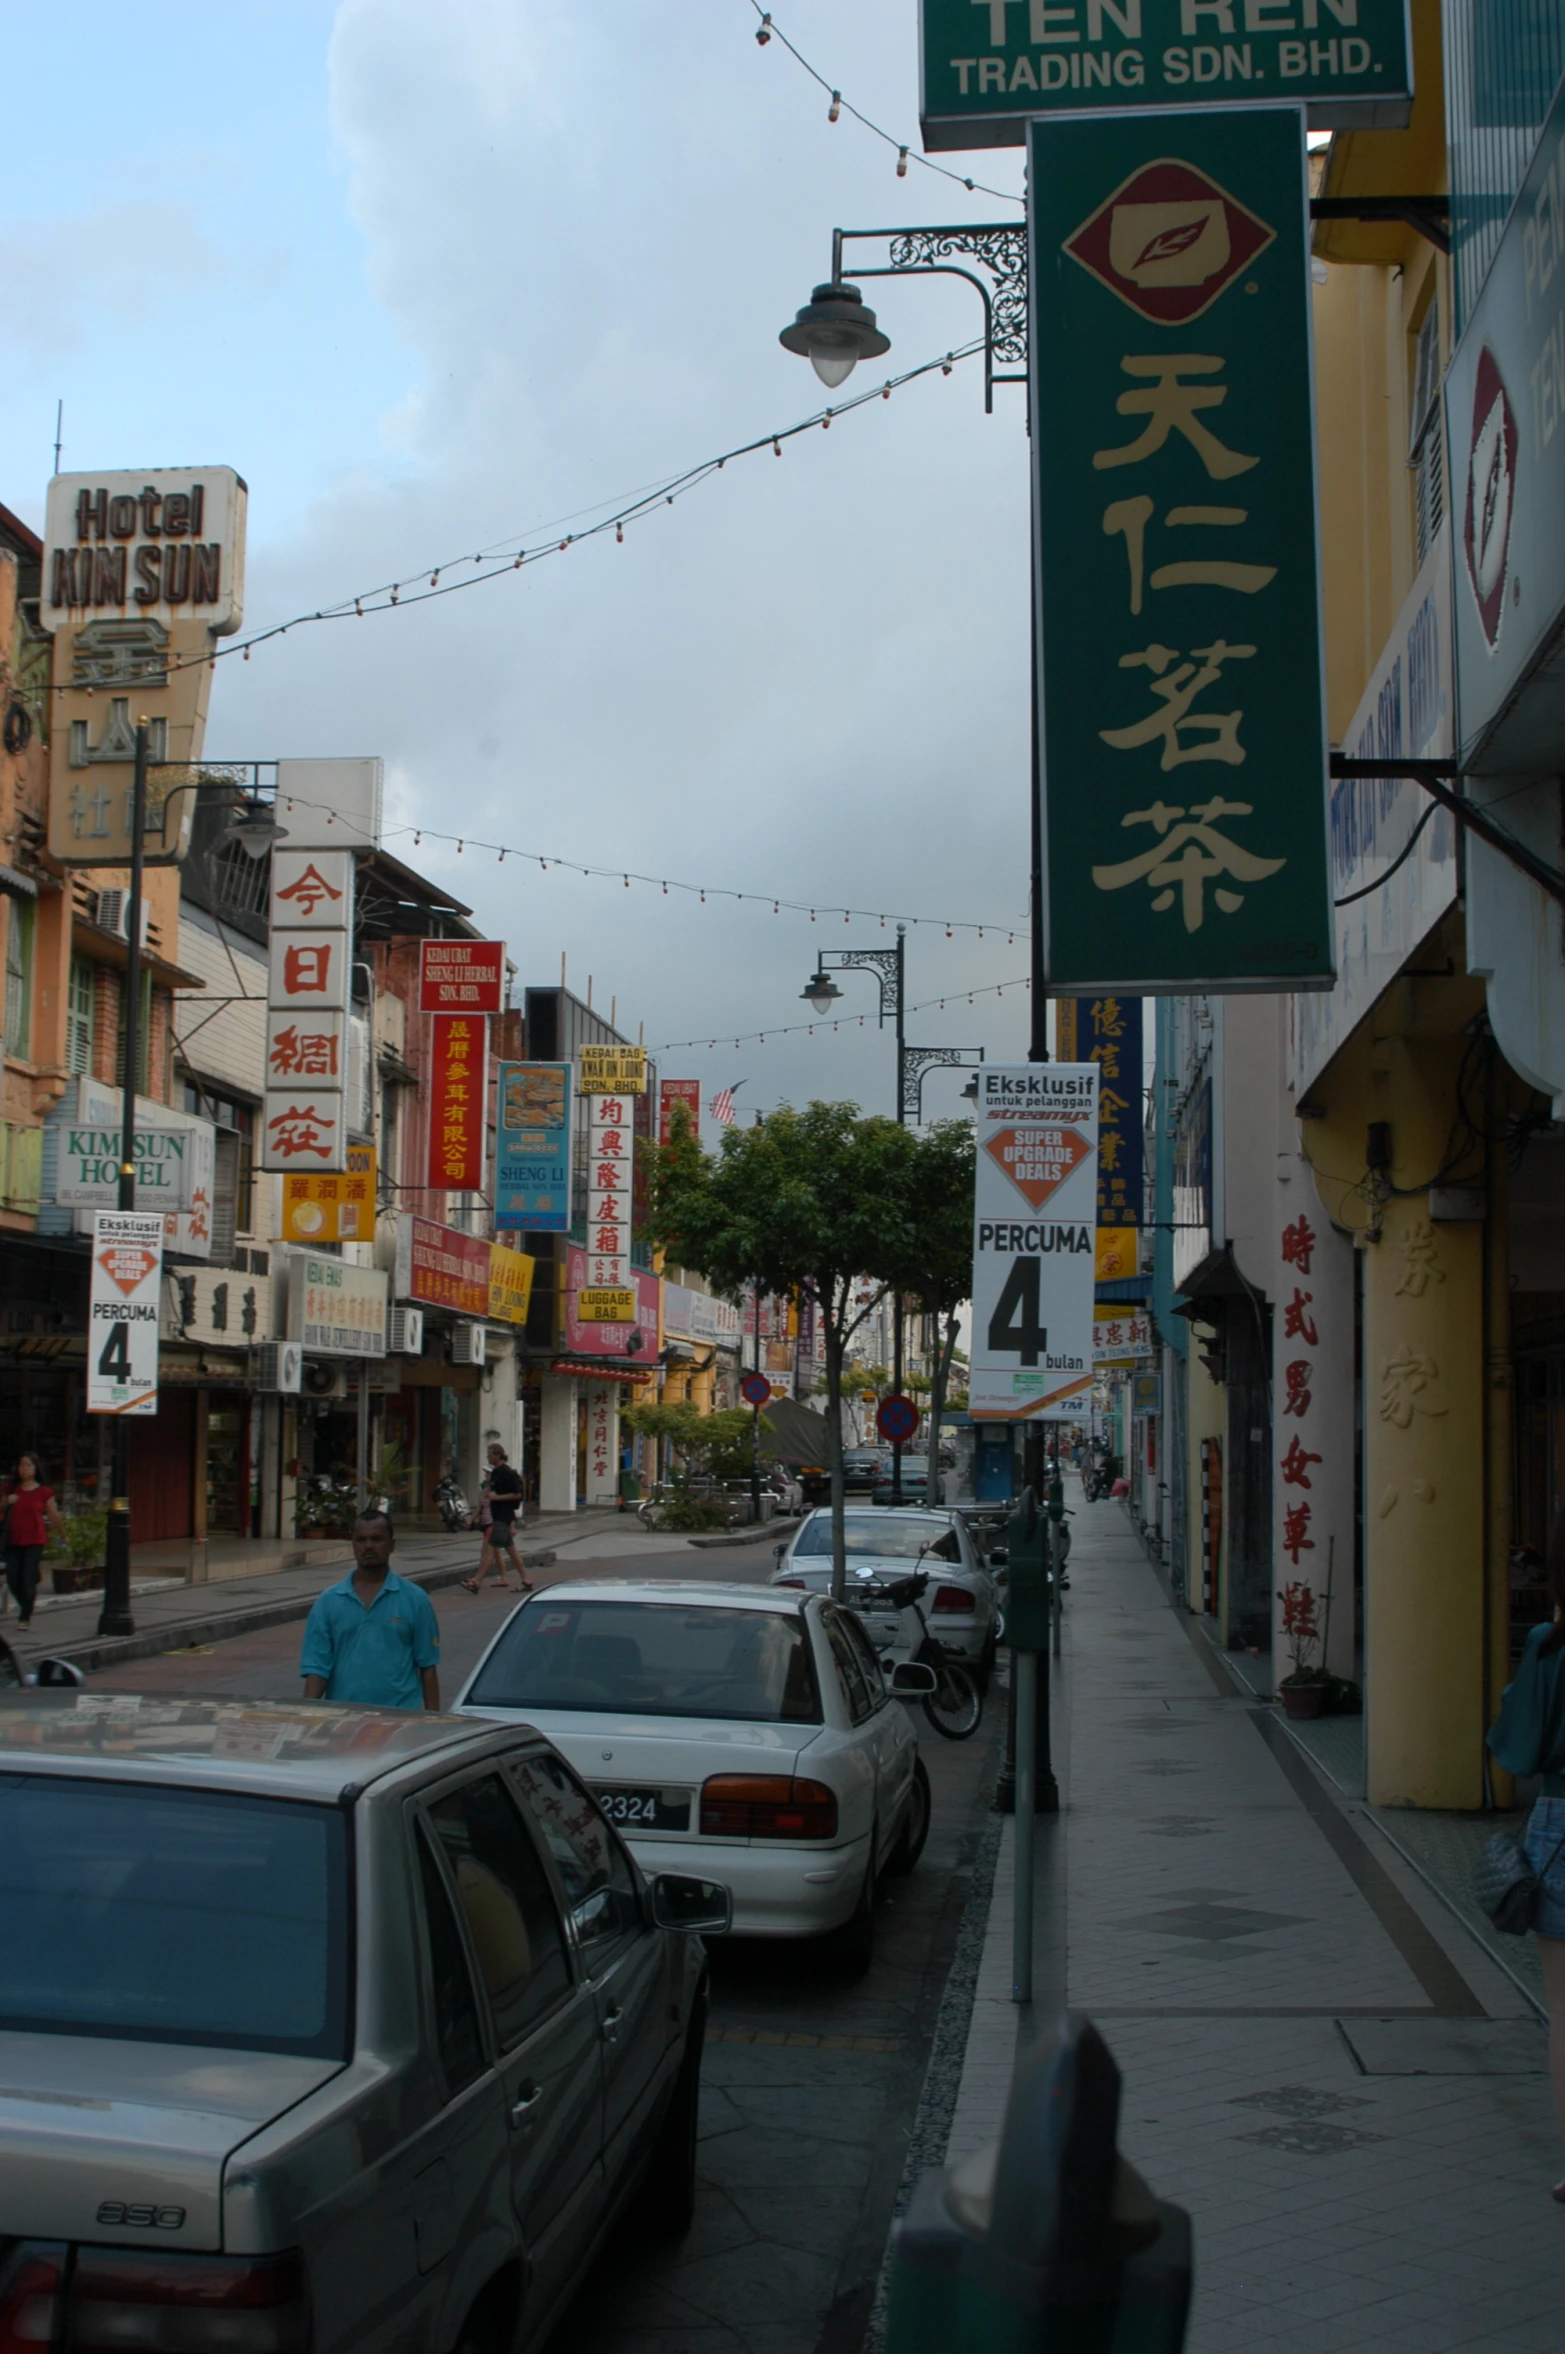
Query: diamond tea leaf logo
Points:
[1037, 1160]
[1168, 241]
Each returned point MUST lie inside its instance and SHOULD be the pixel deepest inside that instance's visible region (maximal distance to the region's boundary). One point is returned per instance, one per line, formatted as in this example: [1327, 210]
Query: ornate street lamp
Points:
[834, 331]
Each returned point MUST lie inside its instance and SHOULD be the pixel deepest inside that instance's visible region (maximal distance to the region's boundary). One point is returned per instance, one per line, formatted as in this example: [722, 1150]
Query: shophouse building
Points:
[1382, 1163]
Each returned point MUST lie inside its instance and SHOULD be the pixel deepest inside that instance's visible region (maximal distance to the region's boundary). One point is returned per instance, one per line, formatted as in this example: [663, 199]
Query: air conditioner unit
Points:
[467, 1344]
[407, 1333]
[278, 1365]
[114, 915]
[322, 1379]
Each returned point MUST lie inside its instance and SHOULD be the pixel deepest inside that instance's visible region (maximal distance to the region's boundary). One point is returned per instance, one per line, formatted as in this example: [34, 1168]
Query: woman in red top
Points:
[31, 1518]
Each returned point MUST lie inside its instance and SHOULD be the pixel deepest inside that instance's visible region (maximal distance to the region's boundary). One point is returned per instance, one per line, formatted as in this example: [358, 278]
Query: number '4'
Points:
[1014, 1328]
[114, 1364]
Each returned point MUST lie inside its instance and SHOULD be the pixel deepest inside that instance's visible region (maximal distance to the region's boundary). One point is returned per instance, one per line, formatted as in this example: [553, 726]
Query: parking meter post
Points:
[1024, 1673]
[1049, 2244]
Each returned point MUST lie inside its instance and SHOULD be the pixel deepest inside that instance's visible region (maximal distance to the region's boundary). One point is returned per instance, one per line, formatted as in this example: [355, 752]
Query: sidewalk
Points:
[1338, 2082]
[170, 1613]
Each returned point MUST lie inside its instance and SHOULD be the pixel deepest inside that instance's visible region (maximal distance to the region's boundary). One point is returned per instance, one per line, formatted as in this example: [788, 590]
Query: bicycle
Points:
[956, 1704]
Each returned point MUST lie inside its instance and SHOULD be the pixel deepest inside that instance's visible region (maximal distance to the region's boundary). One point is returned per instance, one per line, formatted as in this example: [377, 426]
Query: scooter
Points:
[895, 1624]
[454, 1509]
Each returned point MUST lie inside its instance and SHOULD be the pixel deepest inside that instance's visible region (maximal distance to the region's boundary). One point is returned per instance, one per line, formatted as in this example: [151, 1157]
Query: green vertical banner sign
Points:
[1180, 668]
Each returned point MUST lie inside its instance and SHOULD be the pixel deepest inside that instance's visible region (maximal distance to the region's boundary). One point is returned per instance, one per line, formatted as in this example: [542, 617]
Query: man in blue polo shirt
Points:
[373, 1638]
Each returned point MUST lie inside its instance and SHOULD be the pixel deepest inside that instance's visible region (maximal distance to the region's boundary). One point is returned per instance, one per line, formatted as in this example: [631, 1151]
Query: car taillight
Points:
[29, 2299]
[767, 1806]
[799, 1582]
[952, 1598]
[167, 2304]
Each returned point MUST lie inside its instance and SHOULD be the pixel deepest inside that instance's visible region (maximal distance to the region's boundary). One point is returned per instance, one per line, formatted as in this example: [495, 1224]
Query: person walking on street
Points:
[503, 1489]
[31, 1518]
[373, 1638]
[1527, 1738]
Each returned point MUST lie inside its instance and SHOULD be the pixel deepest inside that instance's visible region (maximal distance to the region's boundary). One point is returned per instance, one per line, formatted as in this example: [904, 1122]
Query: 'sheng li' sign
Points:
[987, 65]
[1180, 670]
[1035, 1212]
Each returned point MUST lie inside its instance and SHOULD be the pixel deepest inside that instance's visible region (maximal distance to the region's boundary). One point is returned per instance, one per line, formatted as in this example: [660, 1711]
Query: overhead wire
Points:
[837, 1021]
[770, 30]
[704, 892]
[512, 556]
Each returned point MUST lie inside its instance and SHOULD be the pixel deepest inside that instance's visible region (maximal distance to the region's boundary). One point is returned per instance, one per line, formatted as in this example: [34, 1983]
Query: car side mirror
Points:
[999, 1558]
[911, 1680]
[695, 1908]
[58, 1672]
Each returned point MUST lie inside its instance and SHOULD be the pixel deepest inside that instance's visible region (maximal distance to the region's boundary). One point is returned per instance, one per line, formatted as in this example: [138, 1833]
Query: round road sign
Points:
[896, 1419]
[755, 1389]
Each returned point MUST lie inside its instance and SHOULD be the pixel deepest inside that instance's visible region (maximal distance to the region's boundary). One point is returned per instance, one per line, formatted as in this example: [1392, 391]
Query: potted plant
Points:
[1303, 1693]
[86, 1535]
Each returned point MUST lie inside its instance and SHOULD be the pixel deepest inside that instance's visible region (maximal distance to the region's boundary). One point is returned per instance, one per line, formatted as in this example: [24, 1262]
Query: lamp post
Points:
[257, 828]
[834, 335]
[890, 968]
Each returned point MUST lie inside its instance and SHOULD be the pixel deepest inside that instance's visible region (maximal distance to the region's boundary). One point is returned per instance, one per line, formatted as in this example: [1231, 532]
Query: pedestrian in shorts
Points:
[503, 1490]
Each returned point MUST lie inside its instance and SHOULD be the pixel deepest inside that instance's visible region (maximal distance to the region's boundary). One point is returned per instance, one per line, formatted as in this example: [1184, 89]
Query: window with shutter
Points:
[225, 1197]
[19, 979]
[78, 1016]
[1426, 454]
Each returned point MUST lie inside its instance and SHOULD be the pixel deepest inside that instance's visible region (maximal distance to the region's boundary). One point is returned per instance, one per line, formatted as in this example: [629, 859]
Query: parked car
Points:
[730, 1731]
[324, 2028]
[915, 1479]
[860, 1464]
[962, 1601]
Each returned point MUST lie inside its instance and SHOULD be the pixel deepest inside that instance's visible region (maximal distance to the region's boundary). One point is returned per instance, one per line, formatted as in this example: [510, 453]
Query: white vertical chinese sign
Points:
[304, 1118]
[609, 1185]
[1035, 1221]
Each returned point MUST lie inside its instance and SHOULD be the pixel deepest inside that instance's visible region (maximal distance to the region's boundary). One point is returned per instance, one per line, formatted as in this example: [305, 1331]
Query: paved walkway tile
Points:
[1218, 1918]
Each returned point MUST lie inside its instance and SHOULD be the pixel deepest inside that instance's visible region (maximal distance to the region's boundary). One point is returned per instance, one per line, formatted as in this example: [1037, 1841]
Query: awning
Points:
[600, 1369]
[1211, 1284]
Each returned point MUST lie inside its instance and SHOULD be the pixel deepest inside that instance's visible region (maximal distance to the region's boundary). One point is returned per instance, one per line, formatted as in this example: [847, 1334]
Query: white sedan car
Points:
[961, 1603]
[744, 1733]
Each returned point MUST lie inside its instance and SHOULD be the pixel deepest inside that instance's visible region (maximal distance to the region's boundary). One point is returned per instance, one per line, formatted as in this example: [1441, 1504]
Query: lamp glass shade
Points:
[832, 365]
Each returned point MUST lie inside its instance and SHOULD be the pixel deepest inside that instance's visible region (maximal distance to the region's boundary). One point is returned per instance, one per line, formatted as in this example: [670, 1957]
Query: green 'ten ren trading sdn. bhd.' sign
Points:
[988, 64]
[1178, 599]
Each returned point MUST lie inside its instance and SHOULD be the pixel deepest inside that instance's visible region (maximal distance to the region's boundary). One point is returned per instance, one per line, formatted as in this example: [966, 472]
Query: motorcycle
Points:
[453, 1507]
[895, 1624]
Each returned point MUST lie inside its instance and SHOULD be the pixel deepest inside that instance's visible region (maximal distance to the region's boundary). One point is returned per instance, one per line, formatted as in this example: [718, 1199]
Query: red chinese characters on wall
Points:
[1296, 1401]
[458, 1092]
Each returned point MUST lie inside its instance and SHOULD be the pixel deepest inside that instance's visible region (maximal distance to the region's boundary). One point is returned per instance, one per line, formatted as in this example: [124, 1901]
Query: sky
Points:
[435, 278]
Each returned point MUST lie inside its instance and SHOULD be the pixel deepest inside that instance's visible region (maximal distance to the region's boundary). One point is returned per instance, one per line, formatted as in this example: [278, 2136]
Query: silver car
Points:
[961, 1603]
[324, 2028]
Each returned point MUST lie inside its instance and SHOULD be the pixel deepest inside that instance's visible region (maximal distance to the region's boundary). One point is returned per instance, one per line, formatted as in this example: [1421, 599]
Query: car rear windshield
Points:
[172, 1916]
[655, 1659]
[877, 1534]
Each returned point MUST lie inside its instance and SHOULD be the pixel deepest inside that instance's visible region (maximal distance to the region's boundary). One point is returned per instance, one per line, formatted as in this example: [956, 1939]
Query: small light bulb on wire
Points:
[763, 31]
[834, 111]
[901, 163]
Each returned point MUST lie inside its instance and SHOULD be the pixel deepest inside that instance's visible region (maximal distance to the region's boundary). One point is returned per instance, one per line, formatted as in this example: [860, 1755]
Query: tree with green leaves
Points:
[822, 1197]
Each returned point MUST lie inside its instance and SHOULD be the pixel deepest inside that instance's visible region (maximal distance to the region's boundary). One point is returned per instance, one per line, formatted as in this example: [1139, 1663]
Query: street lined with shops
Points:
[1343, 2086]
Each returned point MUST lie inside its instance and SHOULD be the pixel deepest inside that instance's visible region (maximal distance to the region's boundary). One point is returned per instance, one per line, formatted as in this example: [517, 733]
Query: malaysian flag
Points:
[723, 1105]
